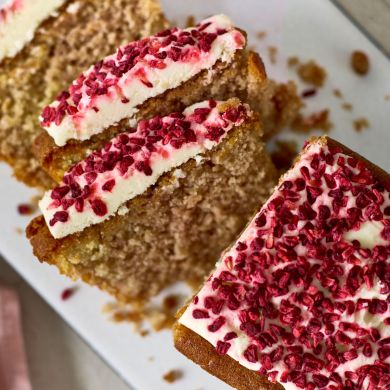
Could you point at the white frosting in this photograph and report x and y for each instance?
(134, 183)
(18, 27)
(369, 234)
(111, 109)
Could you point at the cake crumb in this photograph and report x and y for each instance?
(261, 34)
(172, 376)
(292, 62)
(19, 230)
(252, 47)
(360, 124)
(312, 73)
(360, 62)
(387, 97)
(315, 121)
(190, 21)
(347, 106)
(337, 93)
(284, 154)
(272, 54)
(159, 317)
(308, 93)
(151, 358)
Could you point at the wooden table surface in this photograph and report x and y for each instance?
(58, 359)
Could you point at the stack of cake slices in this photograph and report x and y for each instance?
(44, 45)
(301, 299)
(159, 160)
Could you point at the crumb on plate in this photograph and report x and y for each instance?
(316, 121)
(312, 73)
(360, 62)
(337, 93)
(308, 93)
(361, 124)
(347, 106)
(261, 34)
(172, 376)
(272, 54)
(19, 230)
(292, 61)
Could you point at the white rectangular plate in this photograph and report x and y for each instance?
(306, 28)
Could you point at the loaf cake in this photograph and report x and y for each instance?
(158, 202)
(301, 300)
(44, 45)
(154, 76)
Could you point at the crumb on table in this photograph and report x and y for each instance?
(312, 73)
(387, 97)
(172, 376)
(360, 62)
(361, 124)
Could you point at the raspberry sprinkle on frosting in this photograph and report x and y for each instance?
(303, 295)
(10, 8)
(112, 89)
(95, 188)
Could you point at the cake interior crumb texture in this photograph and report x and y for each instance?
(176, 229)
(62, 47)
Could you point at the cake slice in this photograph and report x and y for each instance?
(301, 299)
(154, 76)
(158, 202)
(44, 45)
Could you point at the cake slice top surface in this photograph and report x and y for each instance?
(112, 89)
(302, 296)
(95, 188)
(18, 21)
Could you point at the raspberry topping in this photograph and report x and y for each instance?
(94, 189)
(306, 288)
(113, 88)
(10, 8)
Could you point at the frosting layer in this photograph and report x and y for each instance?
(294, 298)
(18, 21)
(113, 88)
(94, 189)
